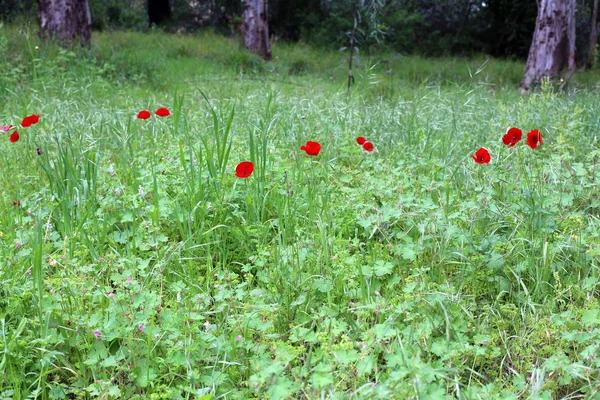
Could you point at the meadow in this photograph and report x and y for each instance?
(135, 264)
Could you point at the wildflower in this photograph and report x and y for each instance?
(96, 333)
(368, 146)
(144, 114)
(482, 156)
(163, 112)
(17, 244)
(361, 140)
(238, 338)
(141, 328)
(311, 148)
(244, 169)
(14, 137)
(30, 120)
(534, 138)
(129, 280)
(6, 128)
(512, 136)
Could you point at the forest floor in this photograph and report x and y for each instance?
(135, 264)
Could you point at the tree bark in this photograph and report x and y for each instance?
(158, 11)
(593, 35)
(553, 46)
(65, 20)
(255, 27)
(351, 49)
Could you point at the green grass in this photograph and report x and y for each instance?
(409, 272)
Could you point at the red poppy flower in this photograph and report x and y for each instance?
(512, 136)
(311, 148)
(534, 138)
(361, 140)
(244, 169)
(14, 137)
(482, 156)
(163, 112)
(30, 120)
(144, 114)
(368, 146)
(6, 128)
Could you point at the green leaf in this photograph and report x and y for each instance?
(382, 268)
(346, 357)
(591, 317)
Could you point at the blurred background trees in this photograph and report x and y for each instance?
(501, 28)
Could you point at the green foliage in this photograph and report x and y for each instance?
(111, 14)
(138, 266)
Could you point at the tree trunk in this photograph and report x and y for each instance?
(593, 35)
(158, 11)
(255, 27)
(553, 45)
(65, 20)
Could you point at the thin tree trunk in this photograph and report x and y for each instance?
(65, 20)
(255, 27)
(553, 45)
(593, 35)
(352, 41)
(158, 11)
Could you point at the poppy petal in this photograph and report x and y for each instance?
(361, 140)
(368, 146)
(512, 136)
(144, 114)
(312, 148)
(244, 169)
(482, 156)
(534, 139)
(14, 137)
(163, 112)
(26, 123)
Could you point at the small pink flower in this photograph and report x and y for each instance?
(141, 327)
(373, 384)
(129, 280)
(17, 244)
(110, 295)
(28, 272)
(549, 319)
(6, 128)
(96, 333)
(238, 338)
